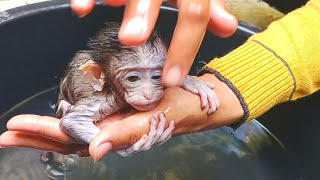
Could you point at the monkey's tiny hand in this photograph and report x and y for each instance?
(204, 90)
(157, 135)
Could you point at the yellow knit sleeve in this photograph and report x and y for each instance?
(280, 64)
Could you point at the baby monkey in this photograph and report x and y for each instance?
(110, 77)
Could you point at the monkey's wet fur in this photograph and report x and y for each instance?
(109, 77)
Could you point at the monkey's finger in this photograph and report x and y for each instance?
(39, 125)
(160, 128)
(152, 134)
(135, 148)
(204, 98)
(190, 87)
(139, 19)
(167, 134)
(210, 85)
(212, 99)
(82, 7)
(190, 29)
(19, 139)
(216, 100)
(212, 102)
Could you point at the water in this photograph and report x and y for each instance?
(251, 153)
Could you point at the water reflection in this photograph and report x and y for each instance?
(251, 153)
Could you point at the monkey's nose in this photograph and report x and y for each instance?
(148, 94)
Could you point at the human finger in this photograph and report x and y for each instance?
(221, 23)
(189, 32)
(20, 139)
(139, 19)
(119, 135)
(45, 126)
(82, 7)
(115, 2)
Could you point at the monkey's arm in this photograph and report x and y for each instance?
(79, 122)
(204, 90)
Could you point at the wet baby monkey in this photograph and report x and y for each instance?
(110, 77)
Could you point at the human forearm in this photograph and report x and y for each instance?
(183, 107)
(277, 65)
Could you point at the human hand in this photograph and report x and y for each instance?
(43, 132)
(38, 132)
(195, 16)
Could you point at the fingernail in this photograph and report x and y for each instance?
(162, 115)
(172, 124)
(145, 136)
(102, 150)
(135, 27)
(173, 76)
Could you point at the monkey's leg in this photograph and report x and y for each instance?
(204, 90)
(79, 122)
(63, 107)
(156, 135)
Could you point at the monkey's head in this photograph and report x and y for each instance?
(134, 72)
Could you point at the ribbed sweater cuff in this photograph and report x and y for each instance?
(257, 75)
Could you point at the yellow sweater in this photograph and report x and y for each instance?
(280, 64)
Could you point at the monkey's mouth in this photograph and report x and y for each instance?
(145, 107)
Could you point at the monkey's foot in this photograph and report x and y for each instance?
(157, 135)
(204, 90)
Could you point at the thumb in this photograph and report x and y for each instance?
(118, 135)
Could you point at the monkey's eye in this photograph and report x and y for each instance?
(133, 78)
(156, 77)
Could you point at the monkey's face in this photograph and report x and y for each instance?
(142, 87)
(136, 71)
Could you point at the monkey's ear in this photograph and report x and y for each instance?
(93, 74)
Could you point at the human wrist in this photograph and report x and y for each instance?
(258, 77)
(194, 119)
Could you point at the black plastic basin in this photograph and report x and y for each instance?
(37, 41)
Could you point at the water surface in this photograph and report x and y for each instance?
(251, 153)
